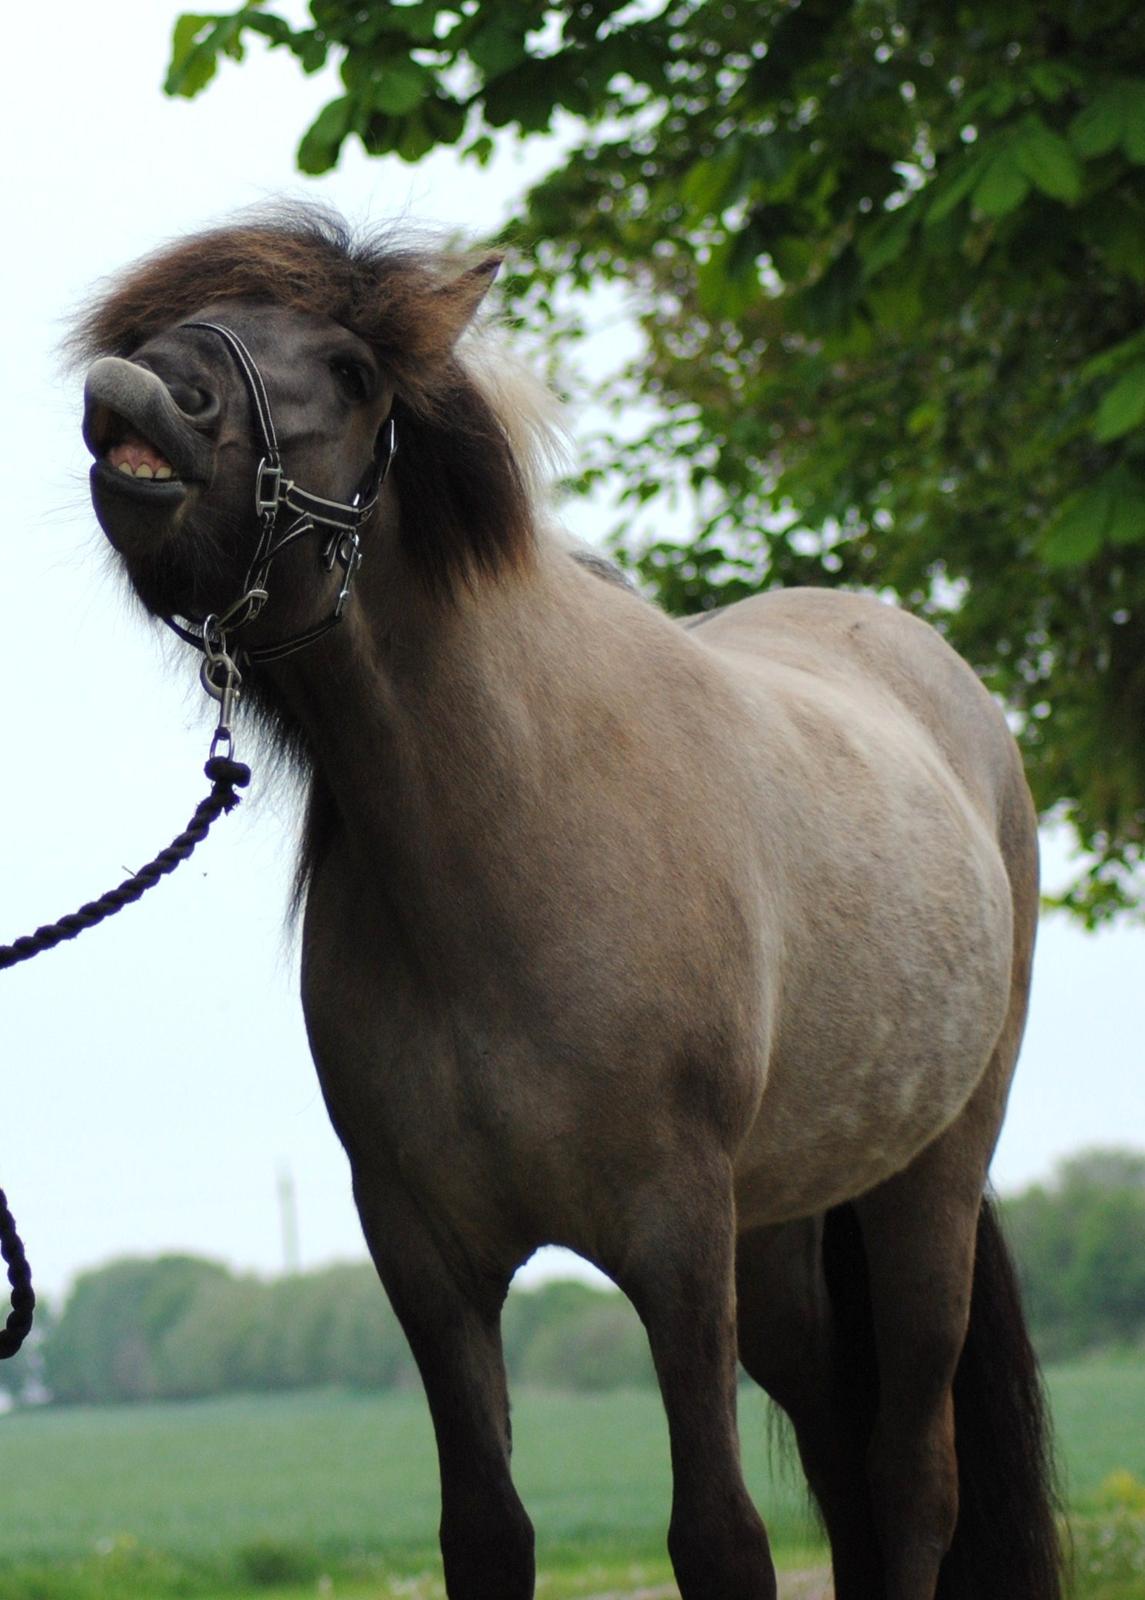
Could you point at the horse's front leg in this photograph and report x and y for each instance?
(678, 1269)
(453, 1324)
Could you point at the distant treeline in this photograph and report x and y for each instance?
(1079, 1242)
(178, 1327)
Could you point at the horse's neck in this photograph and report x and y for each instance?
(434, 726)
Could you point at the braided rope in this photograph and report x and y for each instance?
(19, 1323)
(226, 775)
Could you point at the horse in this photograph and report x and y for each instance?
(700, 950)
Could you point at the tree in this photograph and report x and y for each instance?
(889, 260)
(106, 1344)
(1080, 1247)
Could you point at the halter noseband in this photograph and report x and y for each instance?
(275, 493)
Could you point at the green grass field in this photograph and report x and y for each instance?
(337, 1495)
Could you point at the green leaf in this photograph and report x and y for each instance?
(953, 185)
(1078, 532)
(1053, 79)
(1111, 360)
(727, 283)
(417, 22)
(792, 257)
(1110, 511)
(925, 418)
(1123, 407)
(1098, 127)
(708, 184)
(1133, 141)
(415, 138)
(496, 47)
(480, 150)
(310, 48)
(322, 141)
(1049, 163)
(885, 240)
(194, 55)
(276, 29)
(1003, 186)
(401, 87)
(446, 119)
(1127, 515)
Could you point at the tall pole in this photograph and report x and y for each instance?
(288, 1214)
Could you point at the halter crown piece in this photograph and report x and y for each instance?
(274, 495)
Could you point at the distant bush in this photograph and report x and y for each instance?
(603, 1346)
(179, 1328)
(269, 1564)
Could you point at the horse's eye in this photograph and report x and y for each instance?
(353, 378)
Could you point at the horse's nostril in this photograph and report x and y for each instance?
(194, 402)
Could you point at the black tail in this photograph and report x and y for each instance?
(1006, 1542)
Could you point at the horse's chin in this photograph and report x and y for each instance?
(150, 527)
(137, 515)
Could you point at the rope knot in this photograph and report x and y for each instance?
(227, 775)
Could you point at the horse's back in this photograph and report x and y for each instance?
(876, 653)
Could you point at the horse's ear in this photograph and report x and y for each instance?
(457, 301)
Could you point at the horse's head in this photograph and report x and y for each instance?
(249, 389)
(178, 440)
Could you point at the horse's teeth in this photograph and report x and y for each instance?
(125, 466)
(163, 472)
(143, 471)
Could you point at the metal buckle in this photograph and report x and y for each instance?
(347, 552)
(245, 609)
(266, 502)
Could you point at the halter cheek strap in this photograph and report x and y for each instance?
(276, 495)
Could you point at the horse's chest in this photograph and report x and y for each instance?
(459, 1112)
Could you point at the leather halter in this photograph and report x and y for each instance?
(275, 494)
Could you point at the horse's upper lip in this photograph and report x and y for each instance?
(131, 419)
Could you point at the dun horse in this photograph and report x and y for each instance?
(702, 951)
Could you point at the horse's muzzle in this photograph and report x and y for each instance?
(129, 411)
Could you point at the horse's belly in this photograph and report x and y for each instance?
(879, 1046)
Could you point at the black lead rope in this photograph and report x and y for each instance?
(226, 776)
(19, 1323)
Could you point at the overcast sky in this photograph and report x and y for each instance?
(156, 1079)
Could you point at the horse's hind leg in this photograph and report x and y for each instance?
(453, 1327)
(804, 1337)
(919, 1232)
(677, 1268)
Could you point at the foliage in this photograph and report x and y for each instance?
(889, 263)
(178, 1328)
(107, 1343)
(1080, 1248)
(1109, 1556)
